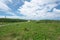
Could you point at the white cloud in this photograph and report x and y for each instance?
(13, 17)
(56, 10)
(10, 0)
(1, 16)
(39, 9)
(5, 8)
(6, 1)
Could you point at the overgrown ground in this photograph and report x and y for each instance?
(30, 30)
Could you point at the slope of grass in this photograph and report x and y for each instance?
(37, 30)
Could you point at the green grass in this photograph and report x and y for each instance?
(30, 30)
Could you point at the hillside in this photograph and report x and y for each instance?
(33, 30)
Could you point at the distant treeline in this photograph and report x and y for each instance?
(48, 21)
(11, 20)
(22, 20)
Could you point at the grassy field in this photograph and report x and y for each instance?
(34, 30)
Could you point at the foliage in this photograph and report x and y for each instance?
(11, 20)
(34, 30)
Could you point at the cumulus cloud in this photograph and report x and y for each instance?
(10, 0)
(40, 9)
(5, 8)
(13, 17)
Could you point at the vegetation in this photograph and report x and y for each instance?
(33, 30)
(11, 20)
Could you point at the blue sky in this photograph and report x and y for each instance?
(30, 9)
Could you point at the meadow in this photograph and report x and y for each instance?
(33, 30)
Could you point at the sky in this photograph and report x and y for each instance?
(30, 9)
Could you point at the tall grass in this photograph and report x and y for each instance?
(33, 30)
